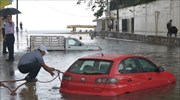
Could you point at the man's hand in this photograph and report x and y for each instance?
(51, 69)
(48, 69)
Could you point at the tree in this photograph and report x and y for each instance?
(100, 6)
(97, 6)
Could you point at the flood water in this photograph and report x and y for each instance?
(166, 56)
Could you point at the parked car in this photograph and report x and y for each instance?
(113, 74)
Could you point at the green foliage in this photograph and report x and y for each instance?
(99, 12)
(100, 6)
(97, 6)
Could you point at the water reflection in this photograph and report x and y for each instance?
(162, 93)
(29, 92)
(7, 73)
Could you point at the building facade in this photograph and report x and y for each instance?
(147, 18)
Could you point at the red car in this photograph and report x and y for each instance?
(113, 74)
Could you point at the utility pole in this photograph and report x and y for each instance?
(117, 9)
(108, 13)
(17, 29)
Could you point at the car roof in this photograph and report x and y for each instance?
(110, 57)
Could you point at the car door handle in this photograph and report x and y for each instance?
(149, 78)
(129, 80)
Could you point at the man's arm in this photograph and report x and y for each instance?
(48, 69)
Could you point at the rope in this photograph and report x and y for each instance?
(58, 75)
(11, 81)
(13, 92)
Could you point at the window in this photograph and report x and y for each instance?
(73, 42)
(88, 66)
(129, 66)
(147, 66)
(104, 67)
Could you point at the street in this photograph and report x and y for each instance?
(167, 56)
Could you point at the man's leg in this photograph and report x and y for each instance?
(11, 47)
(35, 70)
(168, 33)
(4, 47)
(4, 42)
(32, 69)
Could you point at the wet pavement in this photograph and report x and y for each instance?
(167, 56)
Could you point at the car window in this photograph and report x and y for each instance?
(146, 65)
(87, 66)
(73, 42)
(129, 66)
(104, 67)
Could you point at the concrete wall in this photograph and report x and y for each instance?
(152, 39)
(151, 17)
(99, 25)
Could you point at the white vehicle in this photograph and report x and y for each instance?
(60, 43)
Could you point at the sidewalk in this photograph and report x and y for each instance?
(20, 47)
(158, 34)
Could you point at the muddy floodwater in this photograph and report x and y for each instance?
(166, 56)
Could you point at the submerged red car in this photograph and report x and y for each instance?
(113, 74)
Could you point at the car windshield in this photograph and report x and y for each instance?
(89, 66)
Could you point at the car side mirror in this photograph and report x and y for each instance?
(160, 69)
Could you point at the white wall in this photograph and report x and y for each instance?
(99, 25)
(146, 15)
